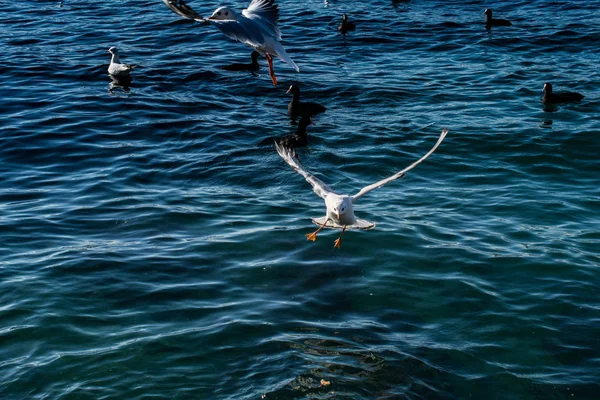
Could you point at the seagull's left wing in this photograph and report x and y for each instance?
(266, 13)
(180, 8)
(289, 156)
(400, 174)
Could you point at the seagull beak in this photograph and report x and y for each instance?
(212, 18)
(337, 214)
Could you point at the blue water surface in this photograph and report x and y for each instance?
(149, 249)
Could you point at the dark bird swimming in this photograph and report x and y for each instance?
(299, 109)
(560, 97)
(346, 26)
(293, 140)
(252, 67)
(489, 21)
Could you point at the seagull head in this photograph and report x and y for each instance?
(223, 14)
(342, 207)
(113, 50)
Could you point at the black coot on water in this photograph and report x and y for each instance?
(346, 26)
(561, 97)
(489, 21)
(298, 109)
(297, 139)
(252, 67)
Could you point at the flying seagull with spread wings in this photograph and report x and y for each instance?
(256, 26)
(340, 208)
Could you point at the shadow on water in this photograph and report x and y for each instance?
(120, 82)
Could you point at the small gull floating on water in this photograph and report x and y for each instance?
(340, 208)
(256, 27)
(116, 67)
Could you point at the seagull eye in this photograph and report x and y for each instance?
(219, 13)
(226, 12)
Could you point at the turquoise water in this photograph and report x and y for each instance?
(149, 249)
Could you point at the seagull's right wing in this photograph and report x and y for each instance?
(289, 156)
(400, 174)
(266, 13)
(180, 8)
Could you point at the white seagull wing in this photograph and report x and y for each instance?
(289, 156)
(180, 8)
(243, 30)
(266, 13)
(400, 174)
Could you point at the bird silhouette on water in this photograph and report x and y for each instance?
(490, 21)
(346, 26)
(296, 108)
(560, 97)
(293, 140)
(252, 67)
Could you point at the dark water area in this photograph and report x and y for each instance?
(149, 249)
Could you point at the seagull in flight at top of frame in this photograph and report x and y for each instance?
(256, 26)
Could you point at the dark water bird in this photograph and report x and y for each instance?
(561, 97)
(256, 26)
(116, 67)
(299, 109)
(489, 21)
(293, 140)
(346, 26)
(252, 67)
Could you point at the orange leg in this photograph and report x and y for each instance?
(338, 242)
(271, 71)
(313, 236)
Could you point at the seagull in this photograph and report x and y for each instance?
(256, 26)
(116, 67)
(340, 208)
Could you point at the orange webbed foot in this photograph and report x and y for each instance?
(311, 236)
